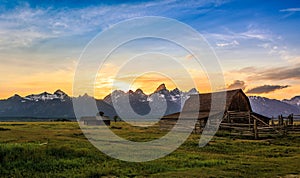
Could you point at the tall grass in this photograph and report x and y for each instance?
(66, 153)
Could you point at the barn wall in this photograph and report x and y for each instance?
(239, 102)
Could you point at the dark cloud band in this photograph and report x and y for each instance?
(266, 89)
(279, 73)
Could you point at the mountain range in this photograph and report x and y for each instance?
(140, 102)
(59, 104)
(45, 106)
(273, 108)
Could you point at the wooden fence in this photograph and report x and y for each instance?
(283, 126)
(255, 127)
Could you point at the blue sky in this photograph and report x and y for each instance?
(41, 40)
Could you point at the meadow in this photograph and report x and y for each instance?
(59, 149)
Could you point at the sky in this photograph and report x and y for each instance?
(257, 44)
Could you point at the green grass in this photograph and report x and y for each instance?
(23, 153)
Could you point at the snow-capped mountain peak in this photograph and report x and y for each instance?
(293, 101)
(272, 107)
(46, 96)
(141, 102)
(60, 94)
(139, 91)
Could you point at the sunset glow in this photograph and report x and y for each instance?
(258, 47)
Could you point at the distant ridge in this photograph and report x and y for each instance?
(272, 107)
(140, 102)
(45, 105)
(59, 104)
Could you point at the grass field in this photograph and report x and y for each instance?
(59, 149)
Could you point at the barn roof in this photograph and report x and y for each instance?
(205, 100)
(191, 107)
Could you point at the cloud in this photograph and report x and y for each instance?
(229, 39)
(20, 38)
(266, 89)
(232, 44)
(278, 73)
(271, 73)
(280, 51)
(237, 84)
(250, 69)
(232, 37)
(24, 24)
(290, 10)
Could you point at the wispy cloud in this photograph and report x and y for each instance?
(266, 89)
(24, 25)
(20, 38)
(228, 44)
(229, 39)
(249, 34)
(290, 10)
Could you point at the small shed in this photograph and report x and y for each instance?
(237, 109)
(95, 120)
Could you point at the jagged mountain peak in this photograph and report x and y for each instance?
(44, 93)
(272, 107)
(118, 91)
(130, 92)
(296, 97)
(40, 94)
(175, 91)
(193, 90)
(15, 97)
(59, 92)
(293, 101)
(160, 87)
(139, 91)
(85, 95)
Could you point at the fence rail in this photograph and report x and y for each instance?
(255, 127)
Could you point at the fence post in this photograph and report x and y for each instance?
(255, 129)
(249, 117)
(280, 120)
(291, 119)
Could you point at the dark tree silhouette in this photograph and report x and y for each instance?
(100, 113)
(116, 118)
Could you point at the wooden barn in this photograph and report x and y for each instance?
(237, 110)
(95, 120)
